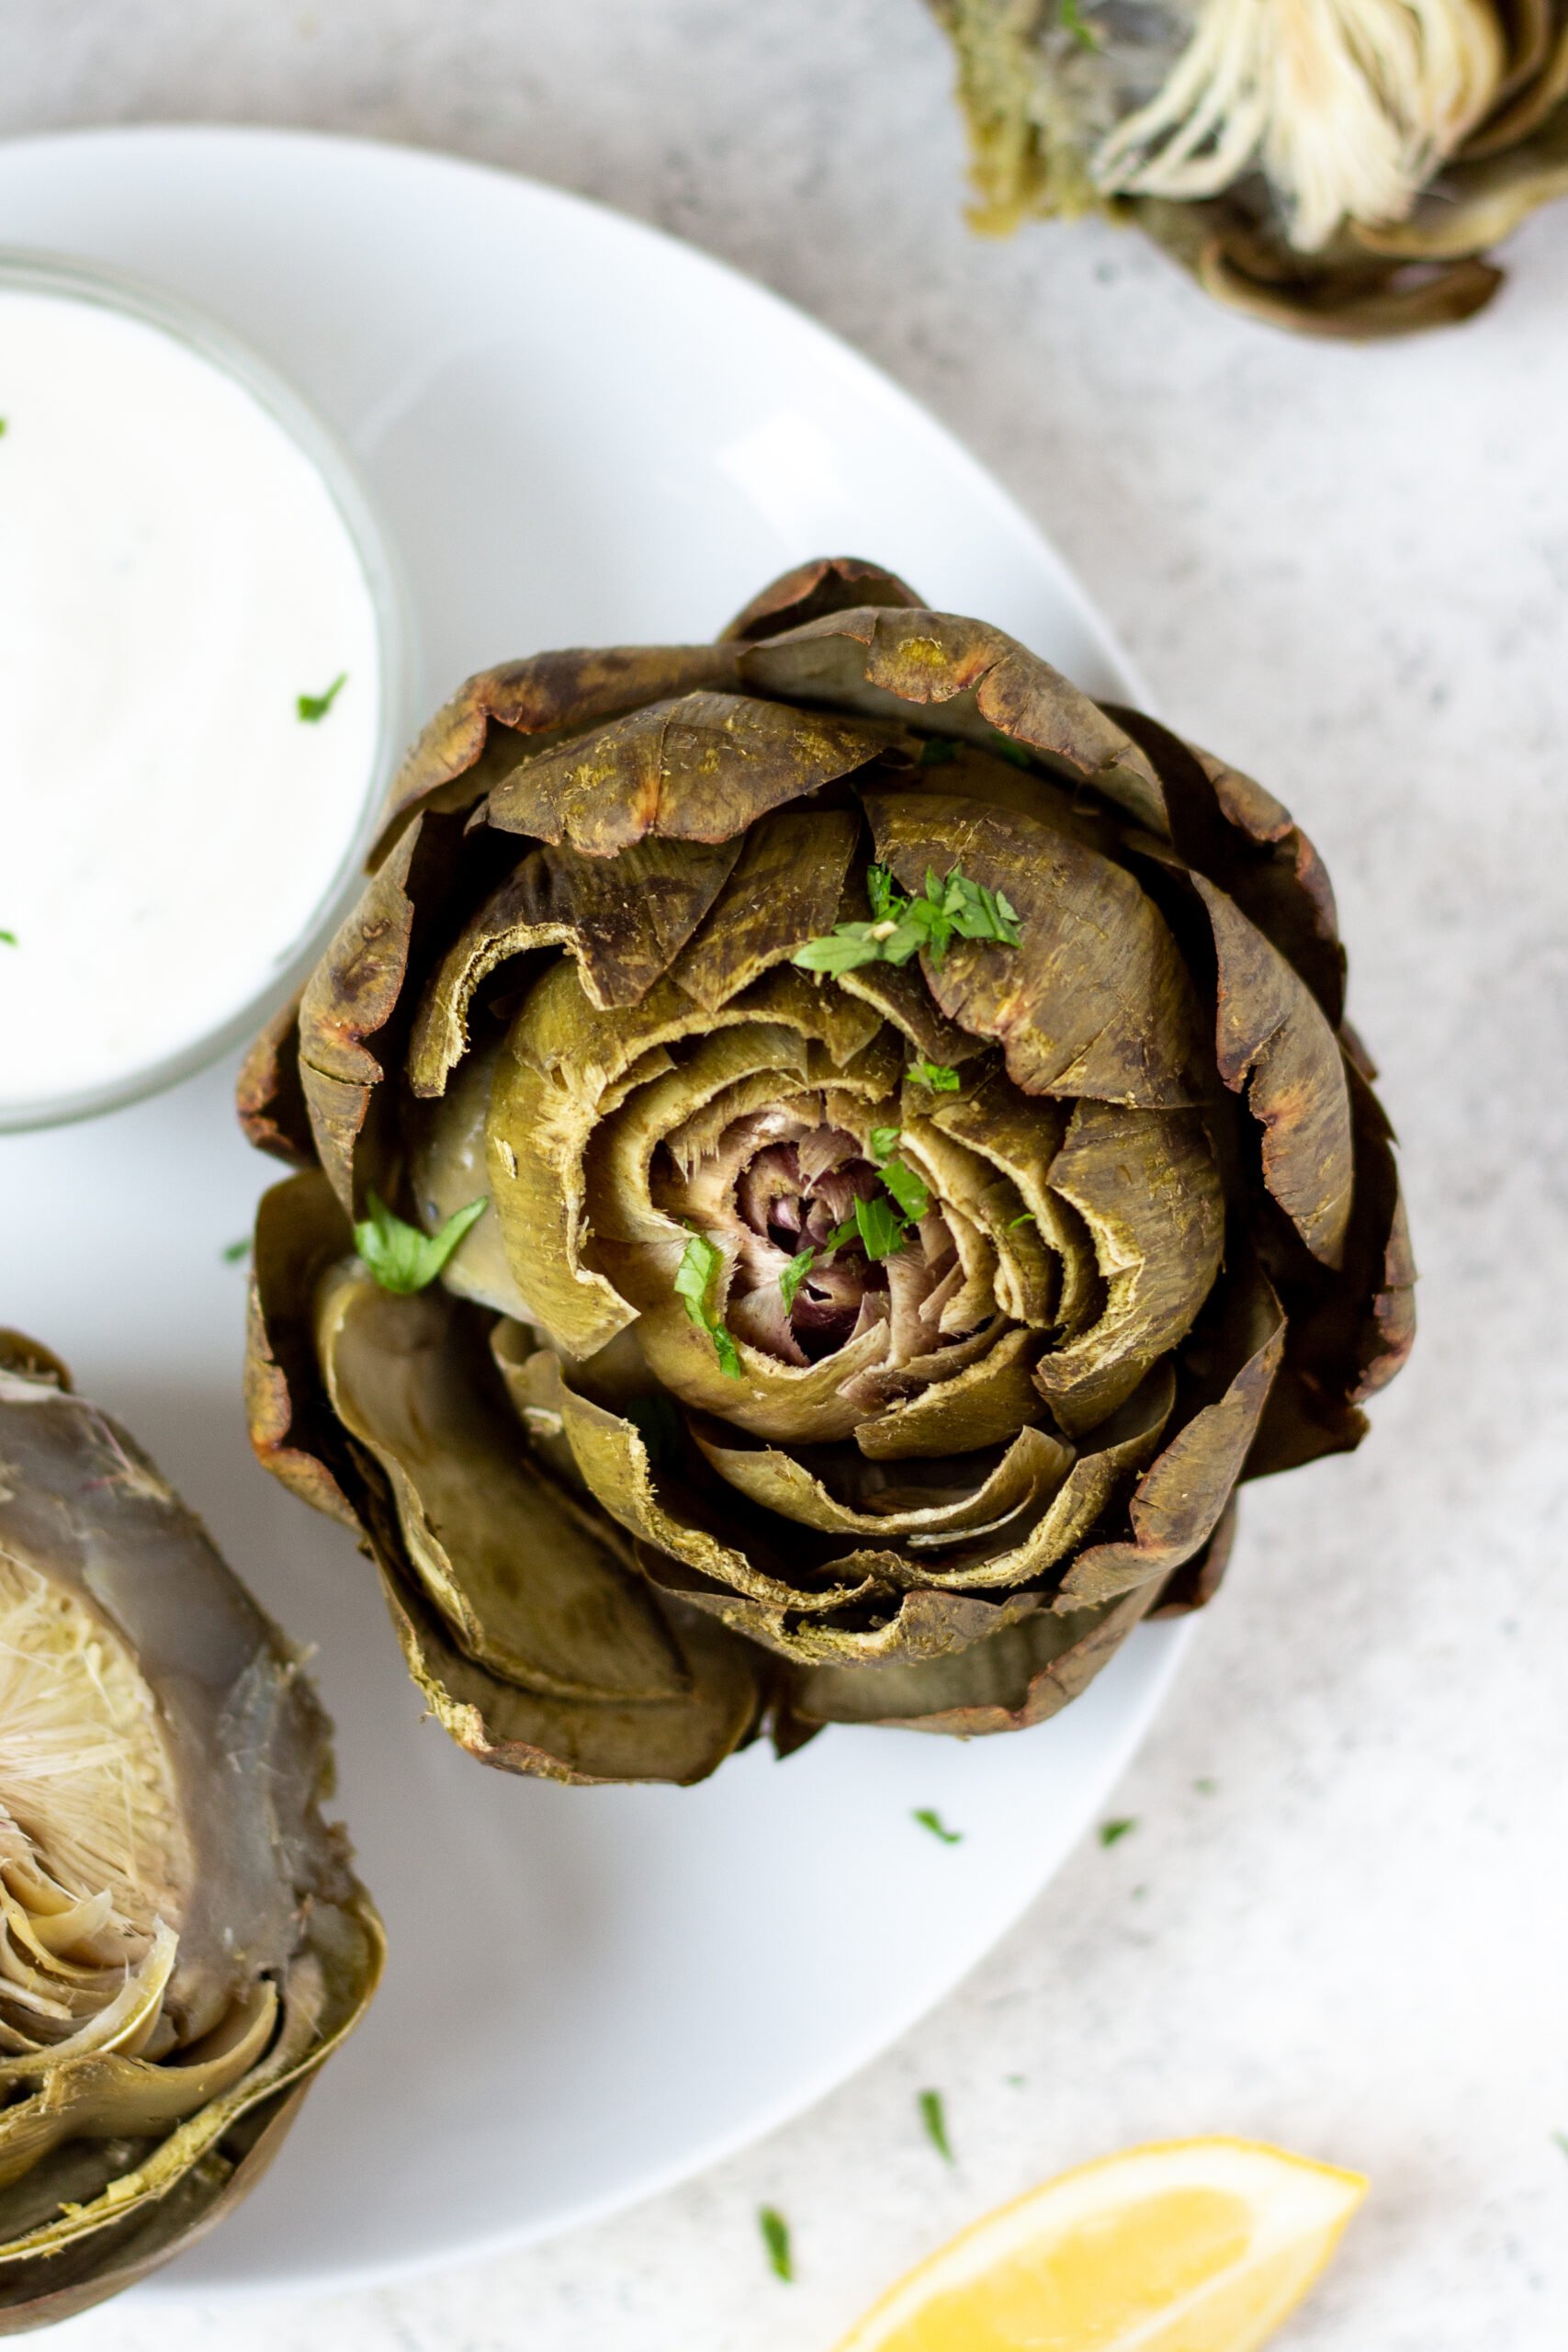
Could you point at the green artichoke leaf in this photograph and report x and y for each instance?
(1097, 1001)
(611, 1456)
(624, 919)
(952, 676)
(1179, 1500)
(1021, 1135)
(1147, 1186)
(901, 997)
(1273, 1044)
(700, 768)
(1031, 1471)
(1026, 1275)
(900, 1622)
(520, 1730)
(528, 1589)
(983, 1404)
(448, 1167)
(500, 715)
(1019, 1675)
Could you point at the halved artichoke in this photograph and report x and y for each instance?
(182, 1941)
(824, 1330)
(1339, 166)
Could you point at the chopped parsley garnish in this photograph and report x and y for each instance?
(877, 1226)
(884, 1142)
(1017, 2081)
(1559, 2139)
(1205, 1787)
(936, 752)
(314, 706)
(235, 1251)
(929, 1818)
(794, 1274)
(693, 1280)
(1071, 18)
(3, 424)
(1028, 1217)
(936, 1075)
(1111, 1832)
(907, 1189)
(902, 927)
(934, 2117)
(401, 1257)
(776, 2238)
(9, 939)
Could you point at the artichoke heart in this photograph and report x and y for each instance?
(1338, 166)
(182, 1940)
(813, 1186)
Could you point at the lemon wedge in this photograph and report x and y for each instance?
(1192, 2245)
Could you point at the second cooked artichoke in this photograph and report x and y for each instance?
(1339, 166)
(828, 1155)
(182, 1940)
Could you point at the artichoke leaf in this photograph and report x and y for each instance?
(1030, 1470)
(1025, 1274)
(529, 1592)
(783, 890)
(624, 919)
(1145, 1184)
(498, 715)
(1021, 1134)
(957, 677)
(1022, 1673)
(808, 590)
(700, 768)
(682, 1739)
(449, 1169)
(987, 1403)
(300, 1231)
(900, 995)
(611, 1459)
(1273, 1043)
(1179, 1501)
(1096, 1001)
(268, 1096)
(920, 1622)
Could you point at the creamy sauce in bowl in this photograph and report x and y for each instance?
(193, 713)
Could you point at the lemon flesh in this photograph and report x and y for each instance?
(1200, 2245)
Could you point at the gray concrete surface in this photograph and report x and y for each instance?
(1348, 570)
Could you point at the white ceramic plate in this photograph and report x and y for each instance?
(578, 432)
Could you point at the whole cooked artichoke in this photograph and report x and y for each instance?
(830, 1154)
(182, 1941)
(1336, 165)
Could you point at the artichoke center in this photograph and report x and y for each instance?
(93, 1858)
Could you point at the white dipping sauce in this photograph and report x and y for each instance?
(175, 574)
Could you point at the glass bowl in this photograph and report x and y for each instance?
(286, 962)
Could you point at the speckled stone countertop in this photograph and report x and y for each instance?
(1348, 570)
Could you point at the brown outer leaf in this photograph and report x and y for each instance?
(810, 592)
(300, 1231)
(700, 769)
(352, 995)
(1273, 1042)
(1017, 1677)
(268, 1097)
(783, 892)
(1095, 999)
(1178, 1502)
(457, 757)
(964, 678)
(1194, 1584)
(1351, 1330)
